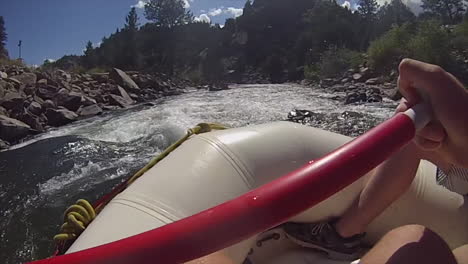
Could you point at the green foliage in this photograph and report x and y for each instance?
(333, 63)
(10, 62)
(167, 13)
(450, 11)
(3, 39)
(385, 52)
(431, 44)
(460, 39)
(395, 13)
(132, 20)
(368, 9)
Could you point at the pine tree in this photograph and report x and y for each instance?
(167, 13)
(368, 9)
(3, 38)
(89, 48)
(450, 11)
(132, 20)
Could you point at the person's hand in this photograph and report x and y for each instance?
(447, 133)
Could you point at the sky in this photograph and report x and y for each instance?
(50, 29)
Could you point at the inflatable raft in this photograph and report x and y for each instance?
(212, 168)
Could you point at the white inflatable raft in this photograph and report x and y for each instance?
(222, 165)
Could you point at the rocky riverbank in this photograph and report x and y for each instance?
(33, 101)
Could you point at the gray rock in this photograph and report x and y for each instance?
(90, 110)
(42, 83)
(12, 130)
(122, 93)
(358, 77)
(63, 75)
(356, 98)
(122, 79)
(32, 120)
(48, 92)
(35, 108)
(87, 101)
(60, 117)
(70, 100)
(3, 111)
(49, 104)
(3, 145)
(395, 95)
(3, 75)
(373, 81)
(345, 80)
(28, 79)
(12, 100)
(118, 101)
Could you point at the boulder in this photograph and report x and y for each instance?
(327, 82)
(12, 130)
(63, 75)
(3, 145)
(374, 98)
(32, 120)
(118, 101)
(60, 117)
(122, 93)
(35, 108)
(3, 111)
(122, 79)
(357, 97)
(3, 75)
(42, 83)
(345, 80)
(49, 104)
(12, 99)
(373, 81)
(48, 92)
(358, 77)
(87, 101)
(70, 100)
(27, 79)
(395, 95)
(90, 110)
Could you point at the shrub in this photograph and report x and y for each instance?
(460, 38)
(333, 63)
(11, 62)
(431, 44)
(386, 51)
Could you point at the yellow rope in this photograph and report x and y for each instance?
(78, 216)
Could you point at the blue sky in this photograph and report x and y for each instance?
(50, 29)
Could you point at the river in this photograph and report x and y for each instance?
(41, 177)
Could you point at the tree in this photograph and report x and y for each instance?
(167, 13)
(88, 59)
(450, 11)
(368, 9)
(132, 20)
(396, 13)
(89, 48)
(3, 38)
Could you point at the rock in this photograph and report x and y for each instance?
(3, 145)
(374, 98)
(358, 77)
(327, 82)
(122, 79)
(299, 115)
(15, 82)
(122, 93)
(49, 104)
(42, 83)
(373, 81)
(31, 120)
(345, 80)
(70, 100)
(48, 92)
(87, 101)
(3, 75)
(356, 98)
(12, 99)
(218, 87)
(35, 108)
(63, 75)
(3, 111)
(118, 101)
(27, 79)
(60, 117)
(110, 107)
(101, 77)
(12, 130)
(90, 110)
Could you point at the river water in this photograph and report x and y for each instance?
(41, 177)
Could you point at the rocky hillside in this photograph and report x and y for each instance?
(32, 101)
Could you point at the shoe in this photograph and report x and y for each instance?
(323, 236)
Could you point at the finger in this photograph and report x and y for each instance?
(403, 106)
(426, 144)
(433, 132)
(408, 92)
